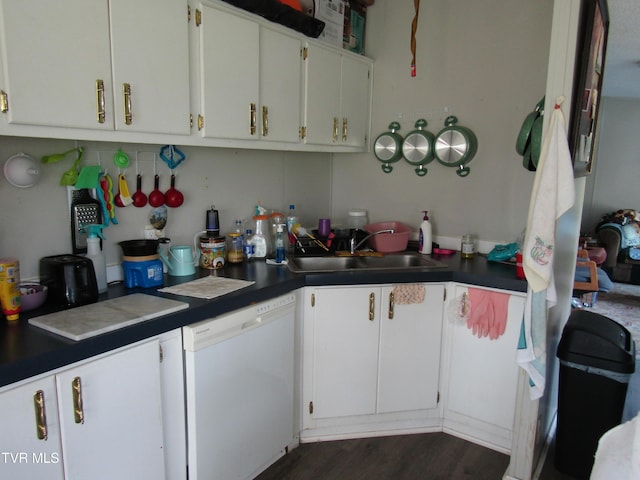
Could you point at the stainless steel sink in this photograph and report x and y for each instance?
(390, 261)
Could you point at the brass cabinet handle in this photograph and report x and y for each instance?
(392, 304)
(372, 306)
(335, 129)
(100, 100)
(200, 122)
(4, 102)
(252, 128)
(41, 415)
(344, 129)
(126, 97)
(265, 120)
(76, 389)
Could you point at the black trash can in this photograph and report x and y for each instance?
(597, 358)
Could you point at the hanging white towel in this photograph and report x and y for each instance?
(552, 195)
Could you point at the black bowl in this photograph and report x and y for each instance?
(139, 248)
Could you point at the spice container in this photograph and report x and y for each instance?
(467, 246)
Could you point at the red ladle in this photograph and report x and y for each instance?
(139, 198)
(156, 197)
(174, 197)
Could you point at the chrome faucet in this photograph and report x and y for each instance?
(353, 246)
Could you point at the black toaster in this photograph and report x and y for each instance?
(71, 280)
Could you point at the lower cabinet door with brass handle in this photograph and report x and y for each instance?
(110, 408)
(101, 418)
(30, 446)
(368, 354)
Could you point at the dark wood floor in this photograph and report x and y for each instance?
(436, 456)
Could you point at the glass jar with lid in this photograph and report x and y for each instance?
(358, 218)
(467, 246)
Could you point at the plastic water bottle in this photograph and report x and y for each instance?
(249, 250)
(280, 256)
(260, 240)
(292, 219)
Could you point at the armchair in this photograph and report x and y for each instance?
(620, 236)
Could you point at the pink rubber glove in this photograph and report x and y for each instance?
(477, 321)
(500, 307)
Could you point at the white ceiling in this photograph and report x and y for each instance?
(622, 64)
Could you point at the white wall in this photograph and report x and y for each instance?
(484, 62)
(35, 221)
(614, 184)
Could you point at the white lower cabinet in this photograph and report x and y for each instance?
(365, 373)
(480, 375)
(30, 445)
(174, 425)
(368, 359)
(101, 419)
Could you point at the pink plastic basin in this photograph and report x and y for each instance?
(388, 242)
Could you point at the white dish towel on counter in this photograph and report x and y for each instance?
(207, 287)
(552, 195)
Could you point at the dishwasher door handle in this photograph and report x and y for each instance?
(251, 323)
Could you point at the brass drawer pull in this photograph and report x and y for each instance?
(372, 306)
(100, 109)
(265, 120)
(41, 415)
(78, 411)
(252, 118)
(126, 97)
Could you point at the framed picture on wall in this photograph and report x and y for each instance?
(585, 105)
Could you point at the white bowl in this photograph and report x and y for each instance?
(21, 170)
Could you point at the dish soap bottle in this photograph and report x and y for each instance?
(94, 234)
(425, 241)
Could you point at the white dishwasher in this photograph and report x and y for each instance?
(239, 372)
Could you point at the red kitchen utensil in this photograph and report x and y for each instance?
(173, 197)
(156, 197)
(139, 197)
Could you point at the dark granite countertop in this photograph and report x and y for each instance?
(27, 350)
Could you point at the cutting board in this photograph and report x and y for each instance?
(89, 320)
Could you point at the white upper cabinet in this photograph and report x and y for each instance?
(280, 86)
(337, 98)
(202, 72)
(150, 54)
(94, 64)
(55, 54)
(250, 88)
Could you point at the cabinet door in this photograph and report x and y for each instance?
(410, 337)
(355, 94)
(120, 433)
(27, 452)
(322, 96)
(54, 54)
(149, 47)
(482, 375)
(173, 406)
(280, 87)
(229, 66)
(345, 351)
